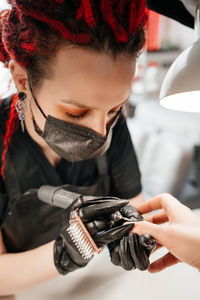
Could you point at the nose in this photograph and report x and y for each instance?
(99, 126)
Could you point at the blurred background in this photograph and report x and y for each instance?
(167, 145)
(166, 141)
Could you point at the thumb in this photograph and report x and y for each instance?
(154, 230)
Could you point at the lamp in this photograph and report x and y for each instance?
(181, 87)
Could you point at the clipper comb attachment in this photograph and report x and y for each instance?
(81, 237)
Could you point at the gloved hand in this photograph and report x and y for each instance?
(132, 251)
(95, 213)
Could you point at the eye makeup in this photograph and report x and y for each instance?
(80, 113)
(75, 117)
(80, 116)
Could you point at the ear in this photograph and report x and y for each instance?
(19, 76)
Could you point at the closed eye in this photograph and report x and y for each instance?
(75, 117)
(78, 117)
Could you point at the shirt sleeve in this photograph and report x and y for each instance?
(123, 165)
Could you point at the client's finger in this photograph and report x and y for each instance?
(163, 263)
(156, 231)
(165, 201)
(157, 218)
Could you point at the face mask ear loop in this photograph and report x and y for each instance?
(36, 101)
(37, 129)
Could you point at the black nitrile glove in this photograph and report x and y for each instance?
(132, 251)
(95, 213)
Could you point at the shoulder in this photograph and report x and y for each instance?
(4, 114)
(4, 111)
(4, 103)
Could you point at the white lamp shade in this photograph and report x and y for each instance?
(181, 87)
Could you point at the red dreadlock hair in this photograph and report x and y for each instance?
(32, 32)
(11, 126)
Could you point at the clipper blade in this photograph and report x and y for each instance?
(81, 237)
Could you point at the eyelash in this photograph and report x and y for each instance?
(74, 117)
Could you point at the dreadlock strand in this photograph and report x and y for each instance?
(108, 15)
(88, 14)
(81, 38)
(11, 126)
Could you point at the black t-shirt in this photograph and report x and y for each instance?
(34, 169)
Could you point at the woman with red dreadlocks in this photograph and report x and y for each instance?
(73, 62)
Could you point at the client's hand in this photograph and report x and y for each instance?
(181, 236)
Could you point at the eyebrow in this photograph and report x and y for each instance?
(74, 102)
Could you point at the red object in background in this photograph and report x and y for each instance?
(153, 43)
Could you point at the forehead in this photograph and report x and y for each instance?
(87, 75)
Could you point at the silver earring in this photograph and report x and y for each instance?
(19, 107)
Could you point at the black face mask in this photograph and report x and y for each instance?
(70, 141)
